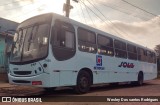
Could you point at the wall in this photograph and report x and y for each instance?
(2, 48)
(6, 26)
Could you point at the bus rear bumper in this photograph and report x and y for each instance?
(42, 80)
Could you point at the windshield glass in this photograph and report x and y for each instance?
(31, 43)
(17, 46)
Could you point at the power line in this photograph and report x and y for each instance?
(112, 23)
(132, 11)
(128, 11)
(91, 10)
(121, 30)
(105, 21)
(79, 13)
(122, 11)
(106, 18)
(99, 17)
(89, 15)
(83, 13)
(139, 8)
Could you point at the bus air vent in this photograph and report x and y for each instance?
(21, 81)
(22, 72)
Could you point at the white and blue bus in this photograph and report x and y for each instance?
(51, 51)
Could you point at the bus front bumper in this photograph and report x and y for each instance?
(41, 80)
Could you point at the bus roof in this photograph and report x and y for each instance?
(78, 24)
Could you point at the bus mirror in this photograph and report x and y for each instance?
(8, 35)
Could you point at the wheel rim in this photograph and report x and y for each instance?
(83, 83)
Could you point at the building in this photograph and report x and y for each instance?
(4, 47)
(7, 29)
(7, 25)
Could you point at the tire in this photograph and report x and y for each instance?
(83, 82)
(140, 79)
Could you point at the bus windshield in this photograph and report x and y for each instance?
(31, 43)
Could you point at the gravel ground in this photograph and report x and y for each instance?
(150, 88)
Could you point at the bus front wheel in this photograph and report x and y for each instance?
(83, 82)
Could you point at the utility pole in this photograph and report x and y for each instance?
(67, 7)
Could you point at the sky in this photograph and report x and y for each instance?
(116, 17)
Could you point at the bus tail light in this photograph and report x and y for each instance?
(36, 82)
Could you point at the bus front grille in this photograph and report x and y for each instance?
(22, 72)
(21, 81)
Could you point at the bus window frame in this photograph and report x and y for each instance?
(99, 46)
(120, 50)
(87, 46)
(129, 52)
(57, 50)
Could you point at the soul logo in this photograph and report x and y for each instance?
(126, 65)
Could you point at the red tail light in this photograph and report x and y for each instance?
(36, 82)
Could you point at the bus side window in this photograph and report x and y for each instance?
(120, 49)
(69, 39)
(63, 40)
(154, 57)
(132, 52)
(64, 36)
(66, 39)
(105, 45)
(149, 56)
(86, 41)
(142, 55)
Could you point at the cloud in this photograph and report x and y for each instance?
(19, 10)
(145, 33)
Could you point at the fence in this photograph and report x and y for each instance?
(3, 62)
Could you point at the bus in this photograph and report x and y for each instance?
(50, 50)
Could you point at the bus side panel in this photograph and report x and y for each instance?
(63, 73)
(119, 73)
(88, 60)
(150, 71)
(67, 78)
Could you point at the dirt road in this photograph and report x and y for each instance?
(150, 88)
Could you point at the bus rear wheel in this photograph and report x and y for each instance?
(83, 82)
(140, 79)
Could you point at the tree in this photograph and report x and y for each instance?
(157, 49)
